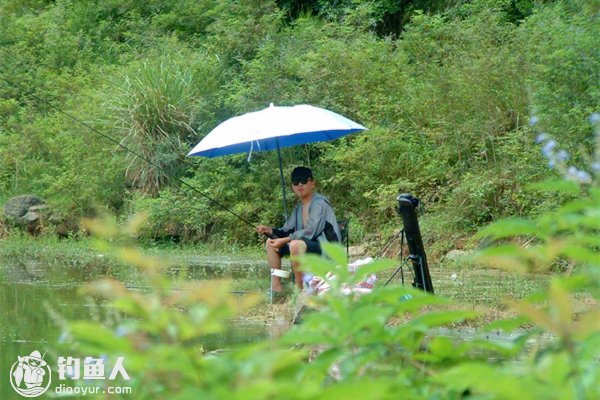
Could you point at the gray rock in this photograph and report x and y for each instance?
(35, 213)
(18, 206)
(25, 209)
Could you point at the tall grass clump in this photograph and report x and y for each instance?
(158, 107)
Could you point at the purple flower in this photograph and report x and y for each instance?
(562, 155)
(596, 166)
(64, 336)
(540, 138)
(121, 331)
(533, 120)
(577, 175)
(595, 118)
(583, 177)
(549, 148)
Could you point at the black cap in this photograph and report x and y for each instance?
(301, 173)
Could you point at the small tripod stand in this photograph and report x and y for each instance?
(403, 261)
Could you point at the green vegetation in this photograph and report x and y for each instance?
(383, 344)
(446, 89)
(453, 93)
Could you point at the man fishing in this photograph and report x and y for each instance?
(311, 222)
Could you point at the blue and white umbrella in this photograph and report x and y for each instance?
(273, 128)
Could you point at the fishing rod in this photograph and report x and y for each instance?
(107, 137)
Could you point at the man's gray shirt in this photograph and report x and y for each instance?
(319, 214)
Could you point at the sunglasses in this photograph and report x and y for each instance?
(303, 181)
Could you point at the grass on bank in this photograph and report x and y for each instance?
(486, 291)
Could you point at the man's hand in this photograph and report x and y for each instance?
(264, 230)
(278, 243)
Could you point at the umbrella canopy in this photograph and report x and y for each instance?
(274, 127)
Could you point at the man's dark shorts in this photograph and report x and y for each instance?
(312, 246)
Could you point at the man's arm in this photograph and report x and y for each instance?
(281, 233)
(288, 228)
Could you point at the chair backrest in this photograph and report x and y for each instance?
(344, 225)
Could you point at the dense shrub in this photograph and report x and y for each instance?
(445, 88)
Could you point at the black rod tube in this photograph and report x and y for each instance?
(407, 205)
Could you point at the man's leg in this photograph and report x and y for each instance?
(274, 260)
(297, 248)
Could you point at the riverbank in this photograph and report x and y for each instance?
(468, 285)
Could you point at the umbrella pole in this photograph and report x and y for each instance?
(285, 209)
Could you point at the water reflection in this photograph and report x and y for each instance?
(35, 297)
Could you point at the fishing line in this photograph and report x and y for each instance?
(107, 137)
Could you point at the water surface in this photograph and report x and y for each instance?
(38, 295)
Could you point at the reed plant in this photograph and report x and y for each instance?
(154, 111)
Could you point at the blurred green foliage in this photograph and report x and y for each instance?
(446, 89)
(382, 344)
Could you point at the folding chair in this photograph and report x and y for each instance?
(344, 225)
